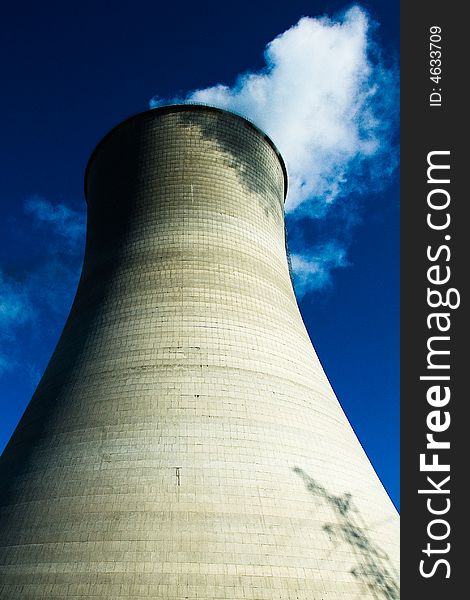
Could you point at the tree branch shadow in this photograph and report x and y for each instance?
(372, 567)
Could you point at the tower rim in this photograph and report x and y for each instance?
(188, 107)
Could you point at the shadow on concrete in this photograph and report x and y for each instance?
(372, 565)
(239, 155)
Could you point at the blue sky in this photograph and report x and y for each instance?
(73, 70)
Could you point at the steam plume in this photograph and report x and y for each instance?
(328, 103)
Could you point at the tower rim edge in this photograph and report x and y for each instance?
(168, 108)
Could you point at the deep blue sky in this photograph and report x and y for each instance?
(71, 71)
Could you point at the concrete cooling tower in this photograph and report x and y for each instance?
(184, 441)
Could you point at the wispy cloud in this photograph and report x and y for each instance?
(329, 103)
(34, 304)
(61, 220)
(15, 306)
(15, 311)
(312, 271)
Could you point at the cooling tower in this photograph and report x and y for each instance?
(184, 441)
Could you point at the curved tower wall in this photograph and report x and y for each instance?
(184, 441)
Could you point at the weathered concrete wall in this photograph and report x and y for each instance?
(184, 441)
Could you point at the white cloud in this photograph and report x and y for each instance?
(319, 99)
(329, 105)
